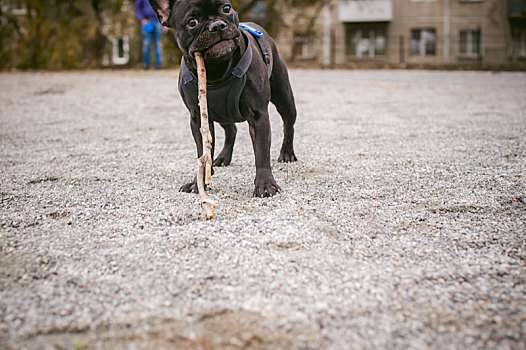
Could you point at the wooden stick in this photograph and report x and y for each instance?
(205, 161)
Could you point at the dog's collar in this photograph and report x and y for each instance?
(239, 70)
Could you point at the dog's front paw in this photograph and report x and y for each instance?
(190, 187)
(287, 156)
(266, 186)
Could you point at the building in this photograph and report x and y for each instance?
(407, 32)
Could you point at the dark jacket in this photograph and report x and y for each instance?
(144, 10)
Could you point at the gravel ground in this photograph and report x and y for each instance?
(402, 225)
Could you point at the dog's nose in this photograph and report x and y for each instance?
(217, 25)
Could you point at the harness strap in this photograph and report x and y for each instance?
(264, 51)
(258, 35)
(244, 63)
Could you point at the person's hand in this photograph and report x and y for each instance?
(165, 29)
(144, 21)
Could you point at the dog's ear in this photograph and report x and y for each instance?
(162, 8)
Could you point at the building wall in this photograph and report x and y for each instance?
(491, 17)
(408, 15)
(487, 17)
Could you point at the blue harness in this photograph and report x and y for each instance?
(222, 97)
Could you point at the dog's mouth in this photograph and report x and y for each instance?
(221, 49)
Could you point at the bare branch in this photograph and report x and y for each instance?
(204, 172)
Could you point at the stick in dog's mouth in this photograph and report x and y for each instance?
(204, 173)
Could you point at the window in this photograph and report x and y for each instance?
(469, 43)
(365, 42)
(303, 46)
(423, 42)
(518, 36)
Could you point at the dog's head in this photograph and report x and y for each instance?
(208, 26)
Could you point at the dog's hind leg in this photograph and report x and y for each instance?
(282, 97)
(225, 156)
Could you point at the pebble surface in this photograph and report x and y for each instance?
(402, 225)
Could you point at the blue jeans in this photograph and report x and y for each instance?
(148, 37)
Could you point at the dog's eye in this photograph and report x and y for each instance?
(227, 8)
(192, 22)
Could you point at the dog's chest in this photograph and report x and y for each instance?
(223, 98)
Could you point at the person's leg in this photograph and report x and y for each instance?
(146, 47)
(157, 44)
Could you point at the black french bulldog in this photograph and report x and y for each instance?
(244, 72)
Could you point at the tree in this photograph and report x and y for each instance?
(65, 35)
